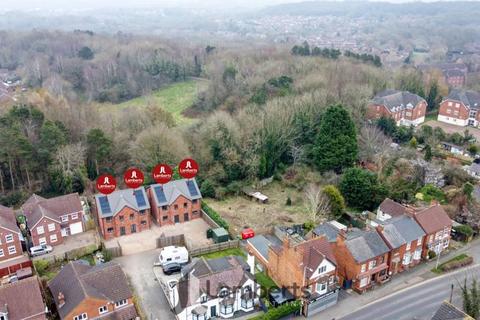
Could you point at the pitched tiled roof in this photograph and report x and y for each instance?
(209, 277)
(315, 250)
(365, 245)
(36, 207)
(401, 230)
(7, 219)
(120, 199)
(167, 193)
(469, 98)
(448, 311)
(433, 219)
(392, 208)
(23, 299)
(328, 230)
(395, 100)
(76, 281)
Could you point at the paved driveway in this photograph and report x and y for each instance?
(195, 234)
(139, 269)
(70, 243)
(450, 128)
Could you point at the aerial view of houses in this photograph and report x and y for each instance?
(272, 160)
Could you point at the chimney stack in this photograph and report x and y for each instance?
(61, 299)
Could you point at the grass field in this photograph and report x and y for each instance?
(174, 98)
(225, 253)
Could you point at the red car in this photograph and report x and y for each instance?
(248, 233)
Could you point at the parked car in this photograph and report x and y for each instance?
(171, 268)
(39, 250)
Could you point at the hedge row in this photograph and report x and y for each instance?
(455, 264)
(215, 216)
(279, 312)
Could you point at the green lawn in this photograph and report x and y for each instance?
(461, 257)
(264, 281)
(174, 98)
(224, 253)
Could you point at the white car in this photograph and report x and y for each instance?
(39, 250)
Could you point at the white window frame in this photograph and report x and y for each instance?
(2, 254)
(9, 238)
(74, 216)
(103, 309)
(372, 264)
(363, 268)
(53, 238)
(51, 227)
(450, 103)
(121, 303)
(83, 316)
(409, 246)
(417, 254)
(322, 269)
(64, 218)
(12, 250)
(361, 284)
(40, 230)
(42, 241)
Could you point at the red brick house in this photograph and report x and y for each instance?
(84, 292)
(297, 264)
(123, 212)
(404, 107)
(175, 202)
(22, 300)
(10, 236)
(404, 237)
(50, 220)
(461, 108)
(362, 259)
(437, 226)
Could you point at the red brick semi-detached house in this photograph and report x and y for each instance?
(176, 201)
(123, 212)
(402, 106)
(461, 108)
(50, 220)
(84, 292)
(362, 259)
(437, 225)
(404, 237)
(22, 300)
(295, 263)
(10, 237)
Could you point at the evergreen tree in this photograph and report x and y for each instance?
(99, 147)
(336, 200)
(428, 153)
(335, 147)
(361, 189)
(432, 96)
(471, 299)
(86, 53)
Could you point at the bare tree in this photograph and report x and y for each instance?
(317, 202)
(297, 153)
(373, 143)
(70, 157)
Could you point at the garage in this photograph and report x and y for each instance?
(76, 228)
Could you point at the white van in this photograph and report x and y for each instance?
(173, 254)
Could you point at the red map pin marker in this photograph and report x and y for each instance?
(188, 168)
(106, 183)
(133, 178)
(162, 173)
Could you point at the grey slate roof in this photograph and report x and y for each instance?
(395, 100)
(261, 244)
(120, 199)
(401, 230)
(173, 189)
(365, 245)
(474, 167)
(448, 311)
(469, 98)
(327, 230)
(78, 281)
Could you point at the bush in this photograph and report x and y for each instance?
(309, 225)
(41, 266)
(214, 216)
(207, 189)
(289, 201)
(430, 192)
(431, 254)
(459, 261)
(464, 230)
(280, 312)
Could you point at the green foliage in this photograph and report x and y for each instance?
(456, 262)
(403, 134)
(468, 189)
(471, 298)
(464, 230)
(335, 147)
(412, 81)
(428, 153)
(336, 200)
(413, 143)
(214, 216)
(309, 225)
(473, 150)
(364, 57)
(301, 50)
(52, 136)
(41, 266)
(361, 189)
(99, 148)
(280, 312)
(430, 192)
(329, 53)
(265, 282)
(86, 53)
(207, 189)
(433, 97)
(275, 87)
(431, 254)
(387, 125)
(289, 201)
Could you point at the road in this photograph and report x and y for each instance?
(418, 302)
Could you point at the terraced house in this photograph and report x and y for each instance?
(437, 226)
(402, 106)
(123, 212)
(50, 220)
(461, 108)
(175, 202)
(84, 292)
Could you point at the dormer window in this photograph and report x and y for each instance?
(224, 292)
(322, 269)
(3, 316)
(203, 298)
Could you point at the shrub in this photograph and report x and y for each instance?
(214, 216)
(207, 189)
(431, 254)
(280, 312)
(41, 266)
(289, 201)
(309, 225)
(464, 229)
(456, 262)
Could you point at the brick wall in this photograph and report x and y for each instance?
(4, 245)
(448, 108)
(181, 210)
(125, 219)
(47, 234)
(91, 306)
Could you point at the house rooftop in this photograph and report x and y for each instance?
(329, 229)
(395, 100)
(469, 98)
(392, 208)
(111, 204)
(22, 299)
(7, 219)
(365, 244)
(433, 219)
(166, 194)
(37, 207)
(401, 230)
(448, 311)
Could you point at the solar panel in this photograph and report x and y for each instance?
(104, 205)
(160, 194)
(191, 188)
(139, 197)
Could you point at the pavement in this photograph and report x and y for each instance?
(414, 280)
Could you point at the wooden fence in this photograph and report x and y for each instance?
(178, 240)
(209, 220)
(215, 247)
(113, 248)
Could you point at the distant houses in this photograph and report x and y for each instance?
(461, 108)
(402, 106)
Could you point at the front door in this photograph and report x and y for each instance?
(122, 231)
(185, 217)
(133, 228)
(213, 311)
(176, 219)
